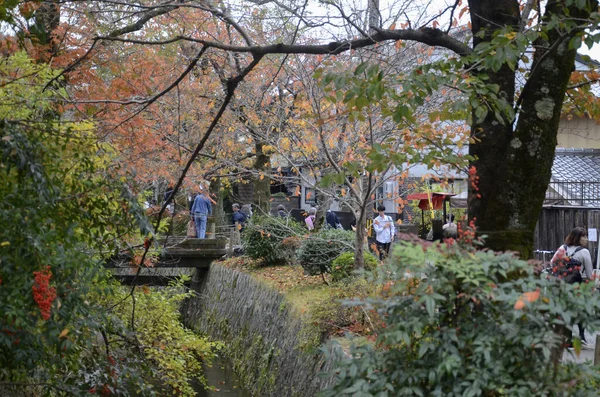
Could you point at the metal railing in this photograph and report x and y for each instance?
(576, 193)
(543, 256)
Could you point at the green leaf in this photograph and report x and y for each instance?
(361, 68)
(575, 42)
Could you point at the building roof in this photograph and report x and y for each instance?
(575, 178)
(576, 165)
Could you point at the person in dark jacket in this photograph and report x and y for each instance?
(281, 212)
(332, 220)
(238, 217)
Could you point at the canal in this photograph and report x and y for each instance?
(223, 379)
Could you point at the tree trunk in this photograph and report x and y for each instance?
(359, 250)
(217, 195)
(262, 182)
(373, 17)
(514, 165)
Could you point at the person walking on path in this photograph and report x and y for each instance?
(575, 249)
(201, 209)
(385, 231)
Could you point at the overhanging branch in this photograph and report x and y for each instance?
(429, 36)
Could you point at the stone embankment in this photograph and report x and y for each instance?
(261, 332)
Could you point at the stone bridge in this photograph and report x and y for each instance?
(177, 256)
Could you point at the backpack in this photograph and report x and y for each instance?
(569, 270)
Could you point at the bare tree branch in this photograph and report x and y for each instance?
(425, 35)
(453, 9)
(139, 24)
(343, 14)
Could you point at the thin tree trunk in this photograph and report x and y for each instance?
(262, 182)
(359, 250)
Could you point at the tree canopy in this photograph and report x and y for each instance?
(510, 63)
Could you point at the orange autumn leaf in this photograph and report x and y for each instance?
(519, 304)
(532, 296)
(64, 333)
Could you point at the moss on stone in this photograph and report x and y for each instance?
(267, 339)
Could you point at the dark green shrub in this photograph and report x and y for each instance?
(269, 238)
(343, 265)
(318, 250)
(469, 323)
(290, 247)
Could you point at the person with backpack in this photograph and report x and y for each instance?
(572, 263)
(385, 231)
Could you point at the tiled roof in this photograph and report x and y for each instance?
(576, 165)
(575, 178)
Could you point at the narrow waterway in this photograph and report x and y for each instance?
(223, 379)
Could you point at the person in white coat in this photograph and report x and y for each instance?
(385, 232)
(575, 248)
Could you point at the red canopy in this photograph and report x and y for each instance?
(437, 199)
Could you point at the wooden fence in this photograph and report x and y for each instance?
(556, 222)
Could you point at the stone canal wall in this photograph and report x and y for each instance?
(262, 334)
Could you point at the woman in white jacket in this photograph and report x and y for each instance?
(575, 248)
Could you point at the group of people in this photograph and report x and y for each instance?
(201, 209)
(383, 225)
(331, 220)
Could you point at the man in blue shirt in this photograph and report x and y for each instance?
(200, 211)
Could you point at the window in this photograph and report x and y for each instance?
(309, 196)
